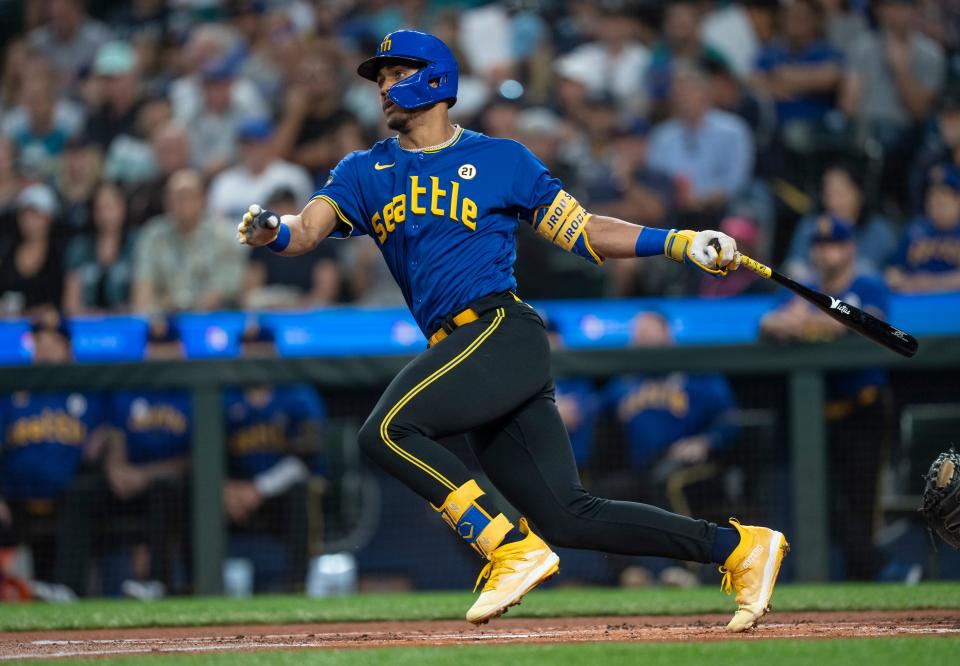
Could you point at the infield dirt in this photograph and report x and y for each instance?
(811, 626)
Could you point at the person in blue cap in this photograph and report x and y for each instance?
(443, 204)
(858, 403)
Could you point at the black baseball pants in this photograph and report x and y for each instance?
(490, 379)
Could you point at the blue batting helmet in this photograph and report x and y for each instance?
(426, 51)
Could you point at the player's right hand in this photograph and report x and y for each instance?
(258, 227)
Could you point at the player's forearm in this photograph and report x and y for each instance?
(611, 237)
(309, 228)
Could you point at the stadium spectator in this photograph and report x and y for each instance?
(578, 404)
(184, 259)
(210, 46)
(617, 51)
(270, 433)
(729, 28)
(893, 79)
(276, 282)
(895, 74)
(707, 151)
(680, 44)
(170, 147)
(99, 264)
(215, 123)
(939, 146)
(69, 38)
(48, 438)
(858, 403)
(81, 168)
(928, 259)
(316, 130)
(116, 71)
(259, 174)
(31, 264)
(843, 198)
(801, 72)
(41, 124)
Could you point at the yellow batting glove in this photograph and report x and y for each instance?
(699, 249)
(258, 227)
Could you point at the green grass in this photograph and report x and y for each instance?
(190, 611)
(876, 652)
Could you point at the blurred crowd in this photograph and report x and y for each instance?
(134, 135)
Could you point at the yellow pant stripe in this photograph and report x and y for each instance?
(454, 362)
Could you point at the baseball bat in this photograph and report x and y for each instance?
(852, 317)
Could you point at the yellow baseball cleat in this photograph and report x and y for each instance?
(752, 570)
(513, 570)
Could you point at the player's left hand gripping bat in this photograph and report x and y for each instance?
(852, 317)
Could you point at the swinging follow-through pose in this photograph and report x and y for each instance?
(443, 204)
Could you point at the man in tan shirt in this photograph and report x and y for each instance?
(185, 260)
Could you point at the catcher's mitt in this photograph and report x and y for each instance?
(941, 497)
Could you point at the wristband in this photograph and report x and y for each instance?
(651, 241)
(280, 243)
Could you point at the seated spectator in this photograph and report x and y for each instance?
(116, 70)
(170, 144)
(939, 146)
(99, 264)
(316, 131)
(894, 75)
(270, 431)
(801, 73)
(858, 408)
(928, 259)
(750, 241)
(81, 169)
(47, 438)
(616, 50)
(708, 152)
(681, 44)
(70, 39)
(42, 123)
(185, 260)
(275, 282)
(842, 198)
(893, 80)
(145, 466)
(31, 264)
(259, 174)
(213, 128)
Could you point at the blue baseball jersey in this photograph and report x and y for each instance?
(262, 422)
(156, 424)
(924, 248)
(583, 396)
(44, 435)
(445, 220)
(656, 411)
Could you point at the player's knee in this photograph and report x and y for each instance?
(369, 438)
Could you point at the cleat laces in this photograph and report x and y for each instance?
(498, 566)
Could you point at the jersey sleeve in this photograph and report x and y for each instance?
(342, 191)
(554, 213)
(532, 186)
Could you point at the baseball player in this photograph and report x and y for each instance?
(443, 204)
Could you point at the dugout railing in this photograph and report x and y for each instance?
(803, 366)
